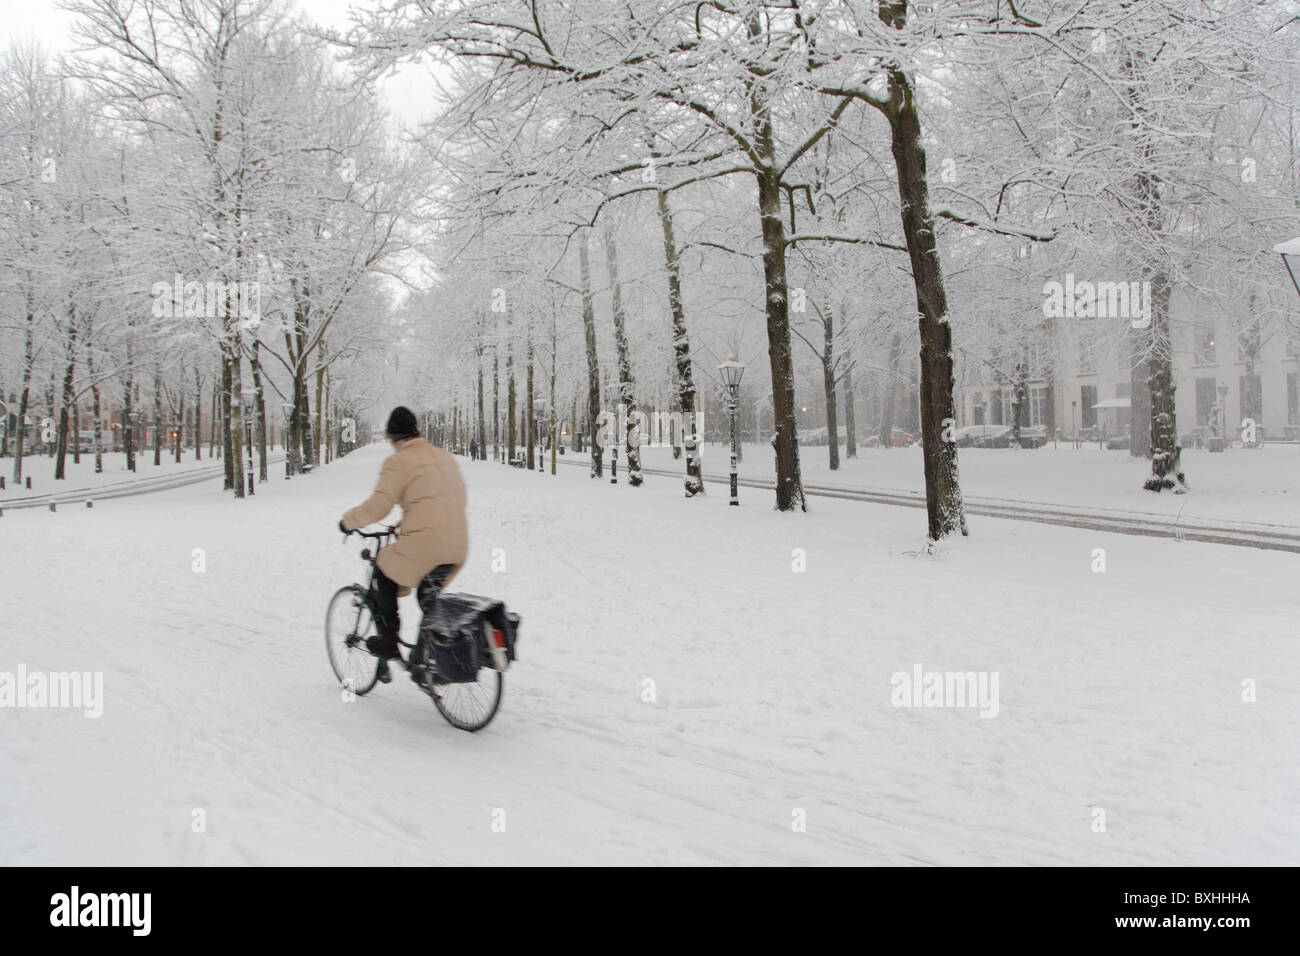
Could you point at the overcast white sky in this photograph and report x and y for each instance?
(408, 94)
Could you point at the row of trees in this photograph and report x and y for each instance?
(611, 199)
(784, 154)
(199, 210)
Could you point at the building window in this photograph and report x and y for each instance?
(1039, 400)
(1087, 356)
(1087, 399)
(1292, 399)
(1206, 396)
(1204, 345)
(1250, 394)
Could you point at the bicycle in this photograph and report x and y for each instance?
(350, 620)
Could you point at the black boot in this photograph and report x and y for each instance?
(383, 646)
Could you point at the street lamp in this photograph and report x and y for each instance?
(731, 372)
(1074, 415)
(286, 412)
(1290, 253)
(615, 391)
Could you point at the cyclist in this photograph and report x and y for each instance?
(425, 481)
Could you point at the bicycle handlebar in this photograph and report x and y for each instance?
(389, 531)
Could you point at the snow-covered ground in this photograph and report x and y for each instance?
(1119, 691)
(1240, 485)
(40, 468)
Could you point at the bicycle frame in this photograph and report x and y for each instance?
(384, 539)
(372, 559)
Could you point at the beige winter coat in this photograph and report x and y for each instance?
(425, 481)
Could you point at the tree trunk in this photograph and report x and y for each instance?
(1165, 451)
(98, 412)
(850, 414)
(530, 408)
(593, 364)
(318, 426)
(180, 423)
(684, 381)
(943, 500)
(626, 383)
(157, 414)
(225, 420)
(198, 414)
(76, 432)
(212, 424)
(789, 484)
(128, 432)
(1020, 391)
(510, 400)
(302, 423)
(69, 367)
(25, 396)
(496, 411)
(828, 384)
(481, 439)
(256, 368)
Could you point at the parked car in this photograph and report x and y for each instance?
(991, 436)
(821, 436)
(1031, 436)
(968, 436)
(898, 439)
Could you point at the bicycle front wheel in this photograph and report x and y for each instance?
(348, 622)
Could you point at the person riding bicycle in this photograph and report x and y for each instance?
(426, 482)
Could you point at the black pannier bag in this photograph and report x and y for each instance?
(464, 632)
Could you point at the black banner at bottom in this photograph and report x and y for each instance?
(1162, 907)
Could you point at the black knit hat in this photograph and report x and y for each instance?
(402, 424)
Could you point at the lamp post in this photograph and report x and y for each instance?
(1074, 415)
(615, 392)
(286, 412)
(731, 372)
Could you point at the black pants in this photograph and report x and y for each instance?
(384, 594)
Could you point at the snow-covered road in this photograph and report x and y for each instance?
(683, 695)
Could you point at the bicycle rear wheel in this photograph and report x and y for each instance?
(348, 622)
(469, 706)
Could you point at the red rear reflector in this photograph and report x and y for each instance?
(499, 637)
